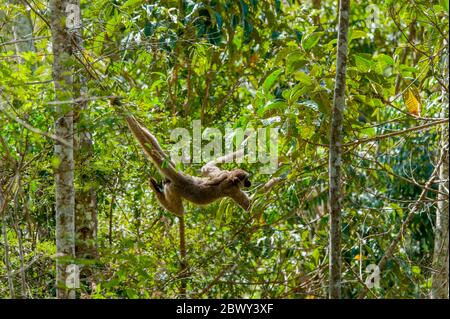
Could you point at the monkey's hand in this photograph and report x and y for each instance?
(157, 188)
(242, 199)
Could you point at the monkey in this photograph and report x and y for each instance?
(178, 186)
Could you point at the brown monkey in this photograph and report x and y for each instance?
(215, 184)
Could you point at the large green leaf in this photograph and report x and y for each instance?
(270, 80)
(311, 40)
(363, 62)
(302, 77)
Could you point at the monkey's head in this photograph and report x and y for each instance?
(240, 178)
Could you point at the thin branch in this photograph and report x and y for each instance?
(34, 129)
(360, 280)
(226, 158)
(83, 99)
(37, 13)
(383, 136)
(270, 184)
(24, 40)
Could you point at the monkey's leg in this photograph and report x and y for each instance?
(172, 202)
(173, 199)
(159, 193)
(148, 141)
(168, 198)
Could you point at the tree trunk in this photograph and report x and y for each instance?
(439, 288)
(335, 156)
(183, 259)
(22, 29)
(316, 18)
(3, 203)
(64, 172)
(85, 196)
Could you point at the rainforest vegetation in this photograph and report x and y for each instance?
(355, 204)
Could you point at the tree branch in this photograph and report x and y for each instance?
(388, 254)
(383, 136)
(34, 129)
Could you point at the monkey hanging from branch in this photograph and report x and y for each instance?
(213, 185)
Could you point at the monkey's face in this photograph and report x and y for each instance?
(241, 178)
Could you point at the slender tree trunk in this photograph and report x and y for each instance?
(64, 172)
(85, 195)
(335, 152)
(183, 263)
(22, 28)
(18, 230)
(316, 18)
(439, 288)
(3, 204)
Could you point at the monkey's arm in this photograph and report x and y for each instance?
(241, 199)
(212, 167)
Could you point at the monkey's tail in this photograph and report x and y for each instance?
(151, 147)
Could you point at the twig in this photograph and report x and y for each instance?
(83, 99)
(24, 40)
(34, 129)
(383, 136)
(388, 254)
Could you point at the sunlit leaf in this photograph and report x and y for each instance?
(363, 63)
(412, 101)
(311, 40)
(270, 80)
(302, 77)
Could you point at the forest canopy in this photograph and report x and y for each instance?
(348, 190)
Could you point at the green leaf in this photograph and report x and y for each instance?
(438, 9)
(311, 40)
(295, 61)
(276, 105)
(416, 270)
(297, 91)
(149, 29)
(385, 59)
(270, 80)
(132, 3)
(407, 70)
(112, 24)
(357, 34)
(302, 77)
(219, 20)
(363, 64)
(131, 293)
(315, 255)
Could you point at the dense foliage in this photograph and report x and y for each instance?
(241, 64)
